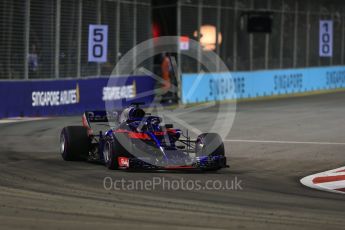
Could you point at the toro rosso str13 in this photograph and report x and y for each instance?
(133, 139)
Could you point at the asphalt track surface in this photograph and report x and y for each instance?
(38, 190)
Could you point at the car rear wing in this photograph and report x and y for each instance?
(99, 116)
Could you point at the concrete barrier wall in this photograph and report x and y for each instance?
(237, 85)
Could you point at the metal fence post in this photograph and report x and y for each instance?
(98, 23)
(319, 18)
(251, 41)
(281, 54)
(179, 61)
(118, 18)
(27, 40)
(342, 39)
(332, 57)
(219, 13)
(307, 38)
(267, 40)
(199, 34)
(57, 38)
(80, 16)
(295, 43)
(235, 37)
(134, 34)
(9, 36)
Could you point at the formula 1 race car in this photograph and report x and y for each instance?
(136, 140)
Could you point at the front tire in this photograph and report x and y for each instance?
(110, 155)
(74, 143)
(113, 149)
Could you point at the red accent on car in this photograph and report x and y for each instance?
(123, 162)
(171, 130)
(142, 136)
(134, 135)
(86, 125)
(121, 131)
(158, 133)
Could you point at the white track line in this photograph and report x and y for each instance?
(21, 119)
(286, 142)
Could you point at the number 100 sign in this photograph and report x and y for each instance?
(326, 38)
(98, 43)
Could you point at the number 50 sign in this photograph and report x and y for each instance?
(326, 38)
(98, 43)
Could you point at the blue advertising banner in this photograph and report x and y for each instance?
(235, 85)
(67, 97)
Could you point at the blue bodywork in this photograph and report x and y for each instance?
(154, 146)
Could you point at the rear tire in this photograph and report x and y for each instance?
(209, 144)
(74, 143)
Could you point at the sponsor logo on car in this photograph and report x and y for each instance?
(123, 162)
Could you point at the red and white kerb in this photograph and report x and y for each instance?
(331, 181)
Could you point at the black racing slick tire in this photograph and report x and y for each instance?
(74, 143)
(209, 144)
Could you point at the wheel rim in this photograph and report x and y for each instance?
(62, 143)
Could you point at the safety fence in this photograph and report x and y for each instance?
(264, 34)
(43, 39)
